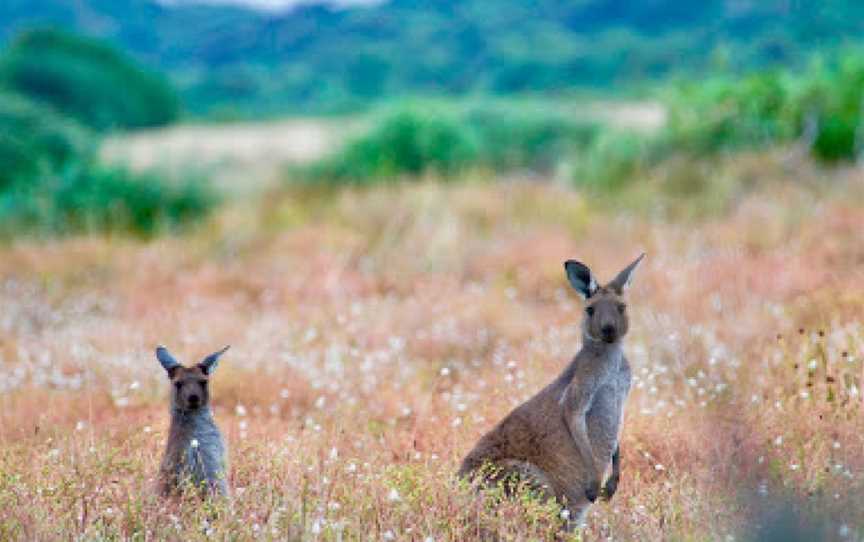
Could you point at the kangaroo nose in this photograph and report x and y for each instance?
(608, 331)
(193, 400)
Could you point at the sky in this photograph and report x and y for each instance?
(273, 5)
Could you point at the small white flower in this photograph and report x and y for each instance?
(812, 365)
(194, 443)
(351, 467)
(794, 466)
(778, 441)
(147, 429)
(659, 467)
(334, 453)
(445, 371)
(134, 385)
(388, 535)
(80, 425)
(320, 402)
(565, 514)
(240, 410)
(393, 496)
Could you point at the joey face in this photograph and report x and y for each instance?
(189, 388)
(189, 385)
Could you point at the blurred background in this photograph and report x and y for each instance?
(371, 201)
(134, 115)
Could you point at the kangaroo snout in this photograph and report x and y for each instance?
(608, 333)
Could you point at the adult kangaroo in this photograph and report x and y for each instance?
(562, 441)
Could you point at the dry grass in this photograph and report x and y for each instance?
(376, 334)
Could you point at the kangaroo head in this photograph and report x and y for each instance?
(605, 310)
(189, 384)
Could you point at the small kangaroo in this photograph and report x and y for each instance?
(561, 441)
(195, 452)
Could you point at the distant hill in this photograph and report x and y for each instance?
(316, 58)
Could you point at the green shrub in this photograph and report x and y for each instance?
(407, 143)
(448, 141)
(611, 160)
(727, 114)
(86, 198)
(51, 182)
(527, 137)
(35, 140)
(87, 79)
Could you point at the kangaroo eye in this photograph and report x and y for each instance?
(590, 311)
(622, 307)
(178, 385)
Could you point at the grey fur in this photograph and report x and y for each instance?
(210, 363)
(195, 453)
(562, 441)
(166, 359)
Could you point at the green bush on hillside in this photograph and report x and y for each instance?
(516, 137)
(408, 143)
(36, 140)
(88, 80)
(51, 182)
(415, 141)
(86, 198)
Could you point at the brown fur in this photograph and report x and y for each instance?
(562, 440)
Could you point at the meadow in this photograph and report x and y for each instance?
(377, 331)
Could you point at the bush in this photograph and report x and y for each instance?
(85, 198)
(35, 140)
(415, 141)
(527, 137)
(610, 160)
(407, 143)
(726, 114)
(51, 182)
(88, 80)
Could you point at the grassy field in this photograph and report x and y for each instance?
(376, 333)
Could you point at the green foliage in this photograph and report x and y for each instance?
(86, 198)
(319, 58)
(35, 140)
(821, 106)
(448, 141)
(407, 143)
(610, 160)
(51, 182)
(87, 80)
(525, 136)
(728, 114)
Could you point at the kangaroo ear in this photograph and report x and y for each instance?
(581, 278)
(622, 281)
(208, 365)
(166, 360)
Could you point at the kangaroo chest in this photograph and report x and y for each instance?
(605, 412)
